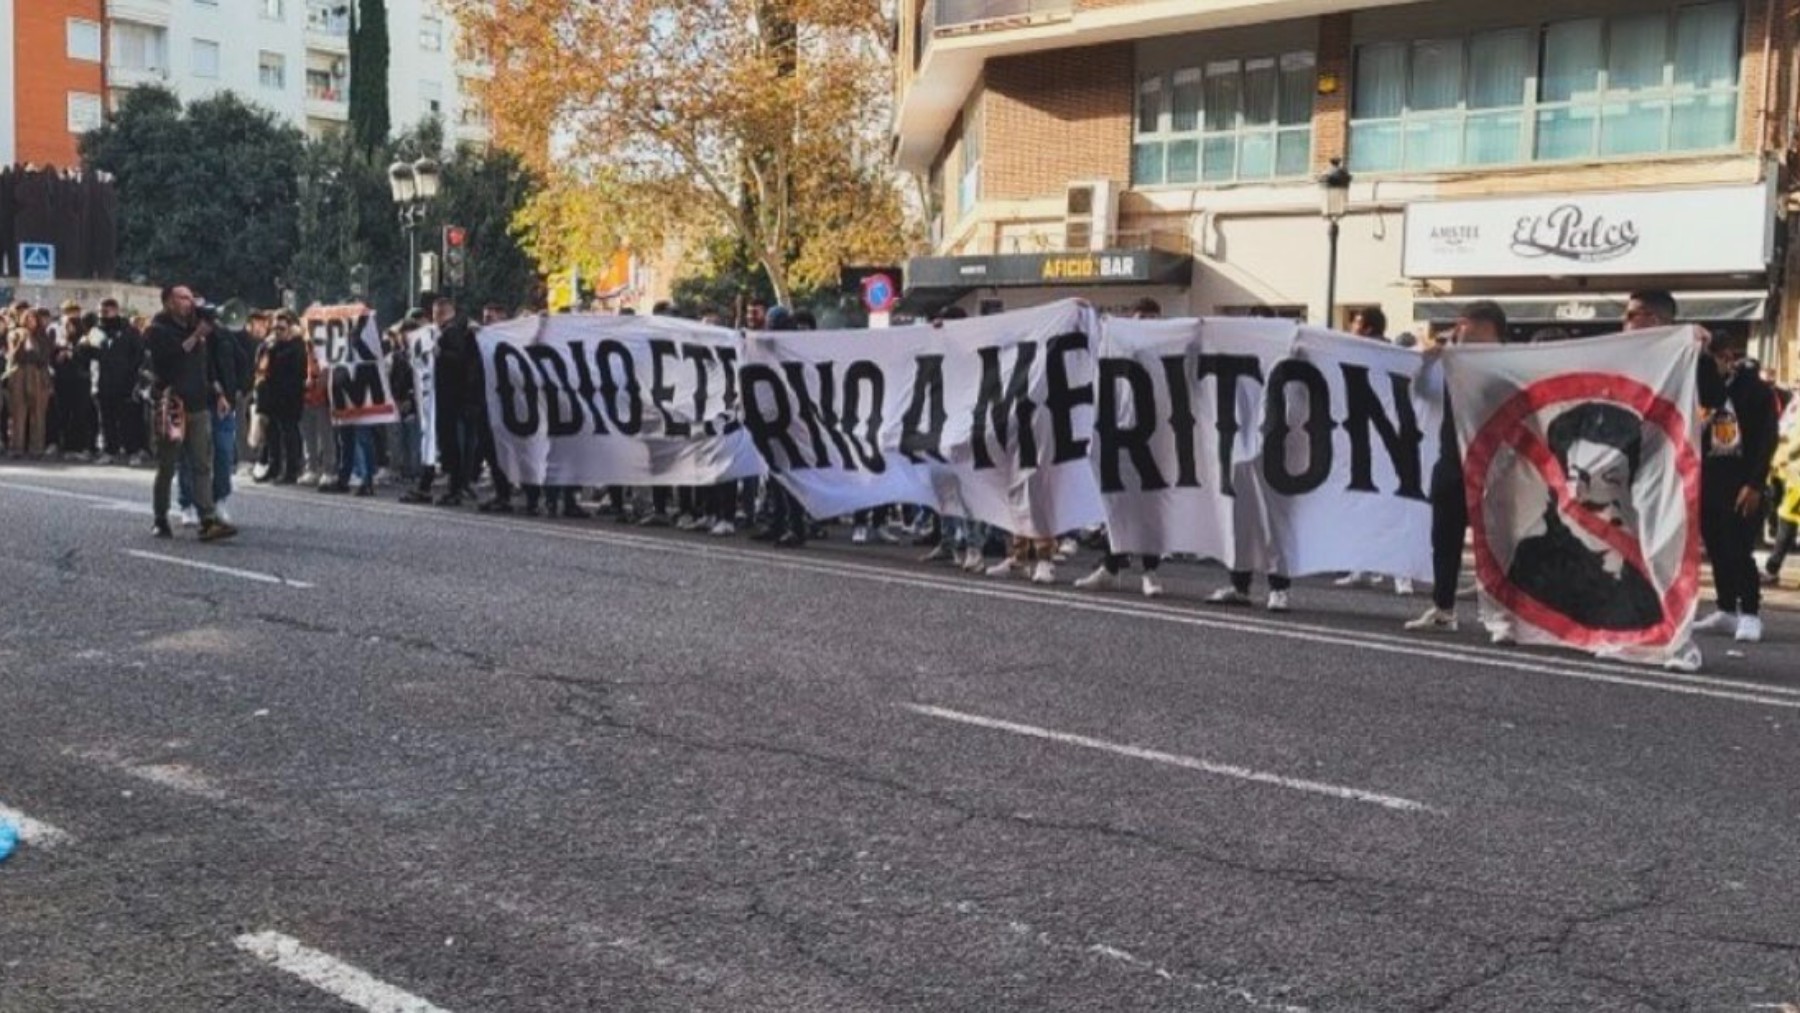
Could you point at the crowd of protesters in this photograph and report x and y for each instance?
(97, 387)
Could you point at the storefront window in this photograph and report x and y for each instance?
(1225, 121)
(1634, 84)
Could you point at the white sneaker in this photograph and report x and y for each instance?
(1403, 586)
(1355, 578)
(1099, 580)
(684, 522)
(1467, 592)
(308, 478)
(1152, 586)
(1749, 630)
(973, 561)
(859, 536)
(1228, 596)
(1044, 572)
(1004, 568)
(699, 524)
(1066, 549)
(1435, 620)
(190, 518)
(1718, 622)
(723, 529)
(1501, 635)
(887, 535)
(941, 552)
(219, 512)
(1278, 601)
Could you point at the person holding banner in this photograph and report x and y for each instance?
(1738, 446)
(1481, 323)
(1107, 575)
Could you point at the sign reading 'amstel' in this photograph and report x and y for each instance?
(1714, 230)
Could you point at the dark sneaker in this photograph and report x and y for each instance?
(216, 530)
(335, 488)
(416, 498)
(450, 499)
(571, 512)
(160, 528)
(496, 506)
(365, 489)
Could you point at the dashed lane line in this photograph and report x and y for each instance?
(229, 571)
(330, 975)
(33, 832)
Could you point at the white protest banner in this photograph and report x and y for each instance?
(1266, 445)
(990, 418)
(1583, 478)
(421, 355)
(347, 344)
(603, 400)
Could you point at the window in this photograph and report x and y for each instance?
(138, 47)
(206, 58)
(968, 182)
(271, 70)
(84, 40)
(431, 33)
(274, 10)
(85, 112)
(431, 97)
(1225, 121)
(1633, 84)
(328, 18)
(322, 86)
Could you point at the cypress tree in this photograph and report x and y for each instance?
(369, 117)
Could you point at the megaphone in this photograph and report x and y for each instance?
(234, 314)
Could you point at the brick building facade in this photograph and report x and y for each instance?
(1203, 129)
(54, 81)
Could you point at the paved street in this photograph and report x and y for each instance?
(450, 762)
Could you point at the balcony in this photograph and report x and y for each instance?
(329, 102)
(328, 27)
(947, 16)
(136, 77)
(143, 12)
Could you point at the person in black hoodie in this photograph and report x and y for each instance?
(281, 397)
(119, 350)
(185, 391)
(1738, 445)
(458, 359)
(231, 364)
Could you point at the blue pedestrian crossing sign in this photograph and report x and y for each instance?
(37, 264)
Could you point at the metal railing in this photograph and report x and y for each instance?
(970, 14)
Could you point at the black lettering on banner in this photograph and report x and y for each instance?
(701, 357)
(1182, 421)
(1287, 374)
(608, 355)
(661, 393)
(770, 428)
(1064, 397)
(922, 427)
(584, 385)
(355, 368)
(1005, 411)
(1230, 370)
(1133, 440)
(554, 373)
(818, 415)
(1401, 441)
(865, 384)
(515, 384)
(728, 362)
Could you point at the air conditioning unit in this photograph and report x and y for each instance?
(1090, 216)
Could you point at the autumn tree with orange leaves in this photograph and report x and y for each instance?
(763, 120)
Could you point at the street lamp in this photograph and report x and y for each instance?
(1334, 188)
(414, 185)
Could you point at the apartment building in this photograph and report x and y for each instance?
(69, 60)
(53, 81)
(1549, 154)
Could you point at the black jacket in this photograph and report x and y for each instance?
(1758, 421)
(187, 373)
(458, 374)
(121, 356)
(281, 383)
(233, 360)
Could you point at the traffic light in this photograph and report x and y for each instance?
(456, 256)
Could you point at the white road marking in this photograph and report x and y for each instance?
(1177, 760)
(174, 776)
(331, 975)
(36, 833)
(229, 571)
(1736, 691)
(98, 502)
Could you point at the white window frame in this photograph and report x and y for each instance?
(155, 47)
(1155, 103)
(968, 179)
(267, 60)
(274, 10)
(431, 33)
(84, 101)
(1533, 105)
(83, 29)
(199, 46)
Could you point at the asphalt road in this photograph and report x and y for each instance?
(426, 760)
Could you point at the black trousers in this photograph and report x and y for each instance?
(121, 424)
(1730, 544)
(487, 454)
(786, 515)
(1449, 529)
(283, 446)
(1240, 580)
(74, 426)
(1116, 561)
(452, 462)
